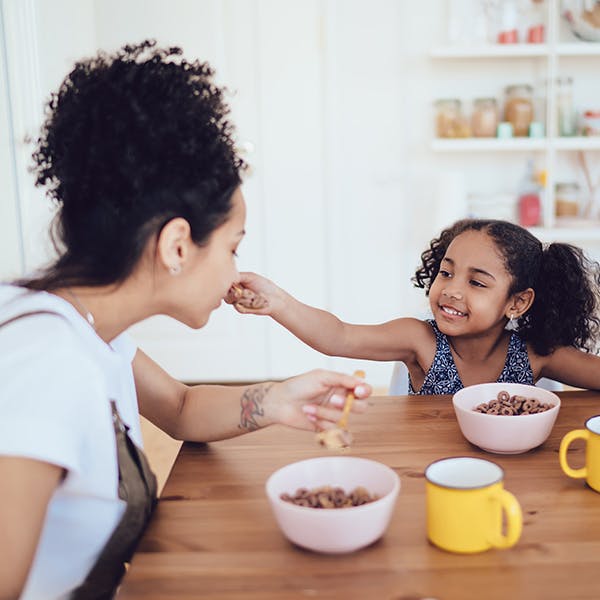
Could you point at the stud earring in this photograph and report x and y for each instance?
(175, 269)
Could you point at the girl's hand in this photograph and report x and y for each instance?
(255, 294)
(315, 400)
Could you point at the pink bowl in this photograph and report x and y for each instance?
(335, 530)
(504, 434)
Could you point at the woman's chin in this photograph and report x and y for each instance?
(194, 322)
(195, 318)
(200, 322)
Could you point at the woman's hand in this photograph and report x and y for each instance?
(255, 294)
(315, 400)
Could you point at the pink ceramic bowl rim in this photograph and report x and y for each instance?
(274, 496)
(458, 397)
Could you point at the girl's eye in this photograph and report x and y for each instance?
(444, 273)
(477, 283)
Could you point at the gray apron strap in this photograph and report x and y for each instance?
(137, 487)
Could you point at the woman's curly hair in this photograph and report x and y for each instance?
(130, 141)
(565, 281)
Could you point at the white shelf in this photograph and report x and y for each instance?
(490, 51)
(549, 58)
(578, 49)
(577, 143)
(515, 144)
(489, 144)
(515, 50)
(586, 232)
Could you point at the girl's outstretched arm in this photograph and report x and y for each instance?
(570, 366)
(323, 331)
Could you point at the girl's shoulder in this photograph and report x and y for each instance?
(539, 361)
(421, 335)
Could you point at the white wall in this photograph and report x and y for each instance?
(39, 54)
(11, 258)
(335, 99)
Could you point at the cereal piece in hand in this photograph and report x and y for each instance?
(246, 298)
(334, 438)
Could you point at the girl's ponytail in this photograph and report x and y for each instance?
(565, 309)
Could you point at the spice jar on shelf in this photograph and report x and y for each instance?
(566, 202)
(590, 122)
(449, 120)
(484, 120)
(508, 27)
(535, 22)
(518, 108)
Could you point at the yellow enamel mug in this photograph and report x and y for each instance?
(591, 435)
(466, 503)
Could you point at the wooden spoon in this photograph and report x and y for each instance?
(339, 436)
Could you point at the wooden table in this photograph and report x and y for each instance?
(213, 535)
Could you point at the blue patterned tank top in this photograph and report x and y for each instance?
(443, 378)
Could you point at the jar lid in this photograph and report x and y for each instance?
(454, 101)
(570, 186)
(519, 87)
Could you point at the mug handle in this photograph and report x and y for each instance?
(576, 434)
(514, 520)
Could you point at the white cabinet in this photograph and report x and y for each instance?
(562, 55)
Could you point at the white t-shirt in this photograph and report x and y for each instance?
(57, 378)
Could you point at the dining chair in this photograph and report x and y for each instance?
(399, 381)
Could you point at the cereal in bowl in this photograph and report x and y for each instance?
(507, 405)
(329, 497)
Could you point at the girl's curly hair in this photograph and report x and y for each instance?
(130, 141)
(565, 281)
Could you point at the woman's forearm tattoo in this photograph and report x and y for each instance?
(251, 406)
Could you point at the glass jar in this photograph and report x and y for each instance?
(567, 122)
(484, 120)
(566, 200)
(449, 120)
(518, 108)
(590, 122)
(509, 32)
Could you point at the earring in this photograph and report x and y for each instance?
(175, 269)
(512, 324)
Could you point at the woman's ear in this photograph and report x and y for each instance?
(520, 303)
(173, 244)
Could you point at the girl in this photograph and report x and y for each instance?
(504, 309)
(139, 157)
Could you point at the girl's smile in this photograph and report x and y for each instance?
(452, 312)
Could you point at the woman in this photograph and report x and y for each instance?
(138, 155)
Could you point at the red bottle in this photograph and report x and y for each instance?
(530, 209)
(535, 34)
